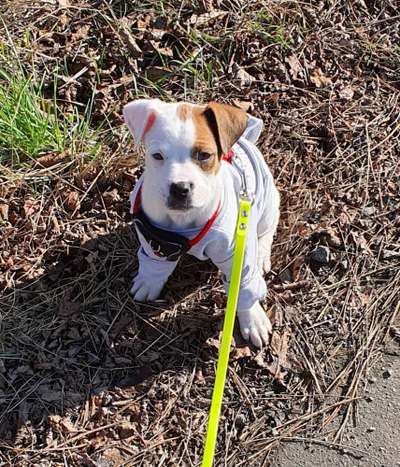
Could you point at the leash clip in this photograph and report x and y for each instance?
(245, 195)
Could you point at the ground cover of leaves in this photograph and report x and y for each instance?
(87, 376)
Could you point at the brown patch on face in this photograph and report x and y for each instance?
(205, 140)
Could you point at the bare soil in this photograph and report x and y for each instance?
(90, 378)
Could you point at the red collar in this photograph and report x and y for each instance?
(228, 156)
(203, 232)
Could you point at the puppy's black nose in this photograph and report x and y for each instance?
(180, 189)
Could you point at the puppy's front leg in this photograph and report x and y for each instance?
(144, 290)
(255, 325)
(152, 275)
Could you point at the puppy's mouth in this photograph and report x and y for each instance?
(179, 204)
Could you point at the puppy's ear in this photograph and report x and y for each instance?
(140, 116)
(227, 123)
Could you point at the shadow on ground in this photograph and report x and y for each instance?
(75, 332)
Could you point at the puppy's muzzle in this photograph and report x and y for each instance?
(180, 195)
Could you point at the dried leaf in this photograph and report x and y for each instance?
(80, 33)
(63, 423)
(144, 22)
(71, 200)
(332, 238)
(156, 34)
(205, 18)
(30, 207)
(277, 315)
(213, 343)
(279, 345)
(241, 352)
(319, 79)
(54, 420)
(199, 377)
(259, 360)
(127, 37)
(126, 430)
(295, 66)
(245, 78)
(296, 266)
(50, 159)
(111, 197)
(167, 51)
(207, 5)
(112, 457)
(67, 425)
(4, 211)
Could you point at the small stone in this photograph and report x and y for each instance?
(371, 429)
(369, 399)
(286, 276)
(387, 373)
(368, 211)
(371, 380)
(320, 254)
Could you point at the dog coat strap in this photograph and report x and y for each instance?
(203, 232)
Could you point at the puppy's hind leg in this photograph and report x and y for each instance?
(268, 226)
(264, 252)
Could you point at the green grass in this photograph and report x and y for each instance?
(27, 128)
(31, 125)
(269, 31)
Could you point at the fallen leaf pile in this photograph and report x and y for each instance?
(90, 378)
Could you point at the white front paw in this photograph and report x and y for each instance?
(255, 325)
(145, 290)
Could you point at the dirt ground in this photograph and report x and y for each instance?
(90, 378)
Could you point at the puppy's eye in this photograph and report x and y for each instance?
(203, 156)
(157, 156)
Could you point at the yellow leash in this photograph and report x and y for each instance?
(223, 358)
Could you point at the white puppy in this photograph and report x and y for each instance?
(198, 159)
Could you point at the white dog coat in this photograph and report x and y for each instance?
(218, 243)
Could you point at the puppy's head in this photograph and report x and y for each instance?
(184, 144)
